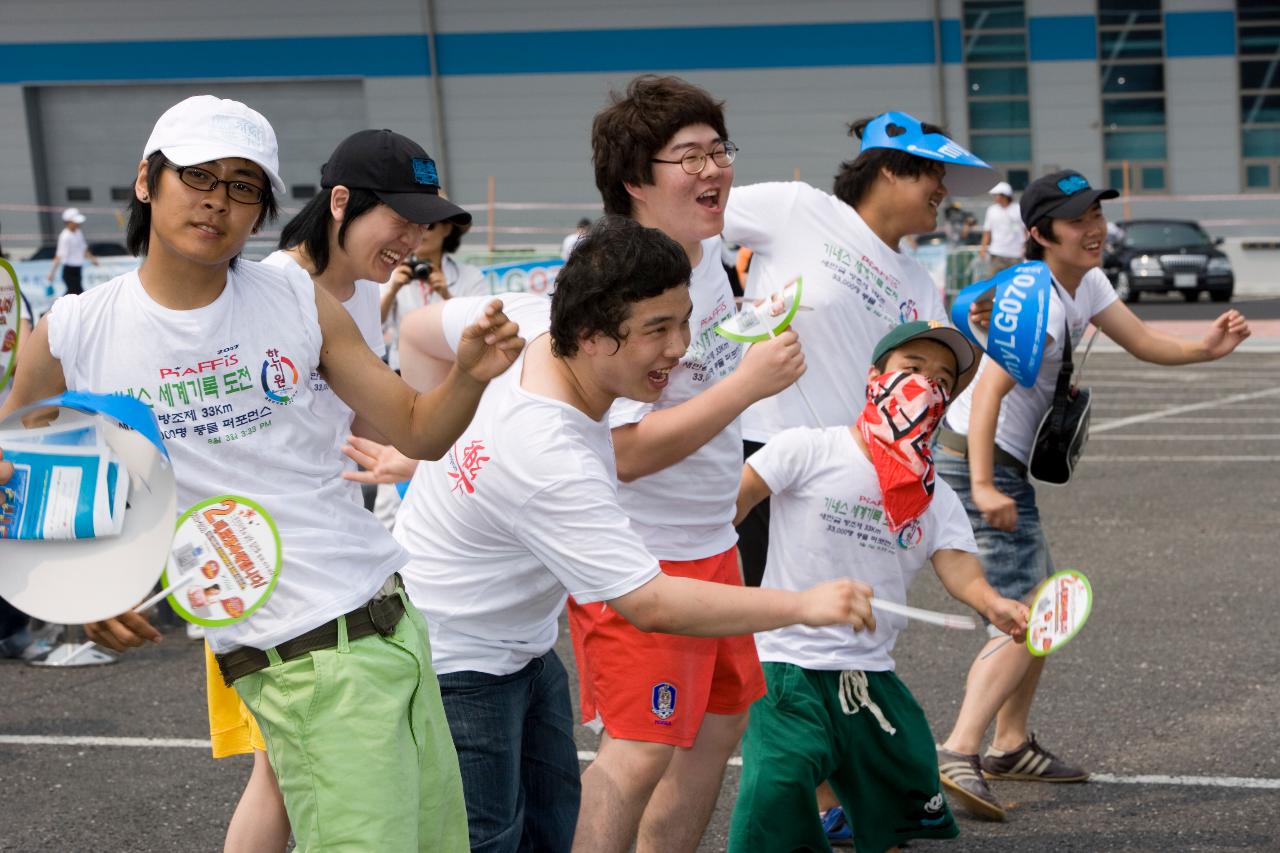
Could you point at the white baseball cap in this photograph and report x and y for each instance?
(1001, 188)
(73, 214)
(204, 128)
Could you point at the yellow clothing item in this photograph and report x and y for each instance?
(232, 728)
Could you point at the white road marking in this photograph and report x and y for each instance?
(1183, 458)
(588, 755)
(1239, 436)
(77, 740)
(1192, 781)
(1178, 410)
(1220, 420)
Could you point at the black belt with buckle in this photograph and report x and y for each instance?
(379, 615)
(959, 443)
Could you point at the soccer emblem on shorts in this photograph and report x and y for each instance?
(664, 700)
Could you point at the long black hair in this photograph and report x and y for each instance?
(310, 228)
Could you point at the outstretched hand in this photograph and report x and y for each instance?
(490, 345)
(839, 602)
(382, 462)
(1226, 333)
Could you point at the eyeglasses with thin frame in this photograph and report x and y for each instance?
(695, 159)
(204, 180)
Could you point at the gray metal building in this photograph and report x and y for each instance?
(1184, 91)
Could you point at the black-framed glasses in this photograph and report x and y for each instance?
(695, 159)
(204, 180)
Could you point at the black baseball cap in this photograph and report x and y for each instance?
(395, 169)
(1060, 195)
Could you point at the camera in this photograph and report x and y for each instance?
(421, 267)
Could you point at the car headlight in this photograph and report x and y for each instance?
(1146, 265)
(1218, 266)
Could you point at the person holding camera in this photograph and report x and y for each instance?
(429, 274)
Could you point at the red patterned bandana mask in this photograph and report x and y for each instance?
(902, 411)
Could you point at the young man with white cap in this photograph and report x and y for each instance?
(1003, 234)
(226, 348)
(72, 251)
(861, 502)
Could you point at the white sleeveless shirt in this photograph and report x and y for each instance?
(229, 385)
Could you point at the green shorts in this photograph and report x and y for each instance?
(801, 734)
(359, 743)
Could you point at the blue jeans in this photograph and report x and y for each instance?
(1015, 563)
(520, 773)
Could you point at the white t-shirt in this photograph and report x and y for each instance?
(1023, 408)
(71, 247)
(462, 280)
(364, 310)
(685, 511)
(567, 244)
(228, 384)
(520, 513)
(826, 521)
(1008, 236)
(858, 287)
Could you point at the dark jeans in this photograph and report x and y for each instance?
(14, 635)
(71, 277)
(520, 773)
(753, 532)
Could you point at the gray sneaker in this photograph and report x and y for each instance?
(962, 777)
(1030, 762)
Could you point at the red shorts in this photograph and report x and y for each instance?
(657, 687)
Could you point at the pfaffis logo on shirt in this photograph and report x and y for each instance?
(279, 377)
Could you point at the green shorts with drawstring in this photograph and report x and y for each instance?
(862, 732)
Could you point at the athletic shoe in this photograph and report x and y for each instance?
(1030, 762)
(962, 777)
(836, 825)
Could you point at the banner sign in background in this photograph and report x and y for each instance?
(523, 277)
(1019, 318)
(33, 278)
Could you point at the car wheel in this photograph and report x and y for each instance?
(1191, 295)
(1125, 290)
(1220, 295)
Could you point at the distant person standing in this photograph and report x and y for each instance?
(1003, 236)
(72, 251)
(571, 240)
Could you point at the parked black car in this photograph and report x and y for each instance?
(1163, 255)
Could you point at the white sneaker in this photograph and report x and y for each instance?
(194, 631)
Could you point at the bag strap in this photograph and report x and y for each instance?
(1062, 392)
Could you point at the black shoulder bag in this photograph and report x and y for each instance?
(1063, 431)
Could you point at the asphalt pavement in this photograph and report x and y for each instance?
(1169, 694)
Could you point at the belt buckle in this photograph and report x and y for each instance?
(383, 615)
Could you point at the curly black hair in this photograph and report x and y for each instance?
(619, 262)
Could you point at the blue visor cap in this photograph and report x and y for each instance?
(967, 174)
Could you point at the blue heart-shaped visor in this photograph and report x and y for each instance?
(967, 174)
